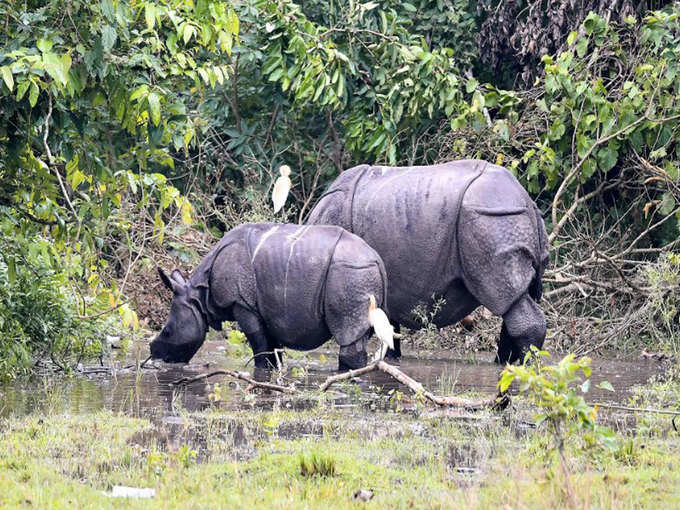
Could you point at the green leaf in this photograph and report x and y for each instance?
(204, 75)
(44, 45)
(150, 15)
(588, 168)
(189, 135)
(77, 178)
(189, 30)
(557, 130)
(22, 88)
(573, 35)
(55, 67)
(66, 66)
(109, 37)
(233, 22)
(11, 269)
(582, 47)
(33, 94)
(140, 93)
(108, 10)
(506, 380)
(606, 385)
(658, 154)
(72, 165)
(471, 85)
(154, 107)
(667, 203)
(607, 158)
(7, 77)
(276, 74)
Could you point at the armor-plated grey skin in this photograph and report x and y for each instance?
(286, 285)
(465, 231)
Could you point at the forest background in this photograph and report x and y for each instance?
(135, 132)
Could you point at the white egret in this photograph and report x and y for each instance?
(281, 188)
(382, 327)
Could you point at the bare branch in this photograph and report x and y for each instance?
(244, 376)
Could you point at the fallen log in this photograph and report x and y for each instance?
(244, 376)
(416, 387)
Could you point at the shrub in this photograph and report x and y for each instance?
(553, 388)
(38, 317)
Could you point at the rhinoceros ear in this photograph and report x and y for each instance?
(178, 277)
(169, 282)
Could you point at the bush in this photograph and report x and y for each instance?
(555, 389)
(38, 317)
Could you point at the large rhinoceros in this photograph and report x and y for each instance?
(286, 286)
(465, 231)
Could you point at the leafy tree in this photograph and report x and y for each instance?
(95, 100)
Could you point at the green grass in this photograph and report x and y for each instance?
(320, 458)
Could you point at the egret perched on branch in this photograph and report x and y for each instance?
(382, 327)
(281, 188)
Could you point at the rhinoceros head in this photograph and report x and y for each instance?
(185, 330)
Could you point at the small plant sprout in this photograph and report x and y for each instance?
(282, 187)
(555, 389)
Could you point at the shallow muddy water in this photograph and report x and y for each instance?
(149, 393)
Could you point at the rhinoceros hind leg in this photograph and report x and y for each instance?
(254, 329)
(354, 355)
(523, 326)
(394, 354)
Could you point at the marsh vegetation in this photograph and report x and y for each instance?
(216, 445)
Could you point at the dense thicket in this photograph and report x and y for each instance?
(125, 124)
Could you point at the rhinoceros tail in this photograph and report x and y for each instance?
(542, 257)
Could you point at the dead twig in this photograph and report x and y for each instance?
(237, 375)
(637, 409)
(50, 159)
(411, 384)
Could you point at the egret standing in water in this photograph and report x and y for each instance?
(281, 188)
(382, 328)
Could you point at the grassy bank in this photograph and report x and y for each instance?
(322, 457)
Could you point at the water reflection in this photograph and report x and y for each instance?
(149, 393)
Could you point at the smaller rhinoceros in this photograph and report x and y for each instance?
(286, 286)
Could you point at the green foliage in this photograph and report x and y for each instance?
(372, 64)
(598, 113)
(38, 316)
(553, 388)
(238, 343)
(93, 107)
(93, 103)
(320, 86)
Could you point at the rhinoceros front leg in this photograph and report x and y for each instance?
(353, 355)
(523, 326)
(253, 327)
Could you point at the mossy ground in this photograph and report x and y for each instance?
(253, 459)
